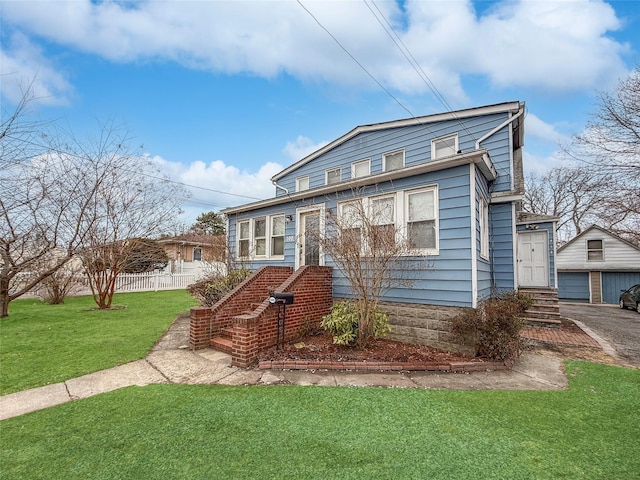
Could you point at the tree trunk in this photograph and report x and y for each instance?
(4, 297)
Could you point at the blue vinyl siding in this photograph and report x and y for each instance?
(501, 245)
(416, 142)
(441, 279)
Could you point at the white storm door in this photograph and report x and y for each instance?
(533, 259)
(309, 246)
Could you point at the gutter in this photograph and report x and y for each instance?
(275, 184)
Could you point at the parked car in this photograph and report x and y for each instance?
(631, 298)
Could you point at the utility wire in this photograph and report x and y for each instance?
(355, 60)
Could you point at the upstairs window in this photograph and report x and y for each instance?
(595, 250)
(444, 147)
(243, 239)
(393, 161)
(260, 236)
(302, 183)
(277, 236)
(361, 169)
(421, 219)
(333, 176)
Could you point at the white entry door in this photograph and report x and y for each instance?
(533, 259)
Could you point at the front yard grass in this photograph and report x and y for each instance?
(590, 431)
(42, 344)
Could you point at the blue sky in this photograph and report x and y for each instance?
(223, 95)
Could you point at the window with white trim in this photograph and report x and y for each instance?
(361, 168)
(595, 250)
(483, 216)
(444, 147)
(333, 176)
(302, 183)
(421, 218)
(351, 227)
(243, 238)
(277, 236)
(383, 221)
(197, 254)
(260, 236)
(393, 161)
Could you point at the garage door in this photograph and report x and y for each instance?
(613, 282)
(573, 286)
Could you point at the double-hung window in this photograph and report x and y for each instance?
(243, 238)
(361, 169)
(302, 183)
(595, 250)
(260, 236)
(421, 220)
(350, 224)
(333, 176)
(444, 147)
(393, 161)
(383, 223)
(277, 236)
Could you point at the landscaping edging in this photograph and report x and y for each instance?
(460, 367)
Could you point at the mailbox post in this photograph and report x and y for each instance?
(282, 300)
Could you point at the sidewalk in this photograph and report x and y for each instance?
(170, 361)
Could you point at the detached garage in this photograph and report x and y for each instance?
(595, 265)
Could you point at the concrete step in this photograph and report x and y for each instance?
(222, 344)
(542, 314)
(543, 322)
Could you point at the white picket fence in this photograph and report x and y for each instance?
(150, 281)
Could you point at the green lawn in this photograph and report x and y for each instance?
(591, 431)
(42, 344)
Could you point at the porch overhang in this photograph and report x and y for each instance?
(480, 158)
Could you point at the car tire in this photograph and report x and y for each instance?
(638, 307)
(621, 303)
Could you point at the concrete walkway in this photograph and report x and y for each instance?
(170, 361)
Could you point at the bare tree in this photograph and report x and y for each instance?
(575, 194)
(59, 195)
(363, 242)
(610, 148)
(133, 202)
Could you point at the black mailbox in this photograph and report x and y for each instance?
(281, 298)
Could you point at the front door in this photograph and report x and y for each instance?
(309, 246)
(533, 259)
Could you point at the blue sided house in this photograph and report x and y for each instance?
(455, 180)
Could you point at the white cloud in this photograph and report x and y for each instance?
(543, 131)
(562, 46)
(23, 66)
(302, 147)
(222, 185)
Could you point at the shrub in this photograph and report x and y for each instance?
(212, 288)
(343, 322)
(494, 326)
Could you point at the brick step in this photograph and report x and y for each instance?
(227, 332)
(222, 344)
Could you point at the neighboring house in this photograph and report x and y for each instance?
(190, 252)
(456, 176)
(595, 265)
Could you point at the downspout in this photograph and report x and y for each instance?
(286, 191)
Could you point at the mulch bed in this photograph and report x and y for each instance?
(319, 352)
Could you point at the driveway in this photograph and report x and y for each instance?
(621, 328)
